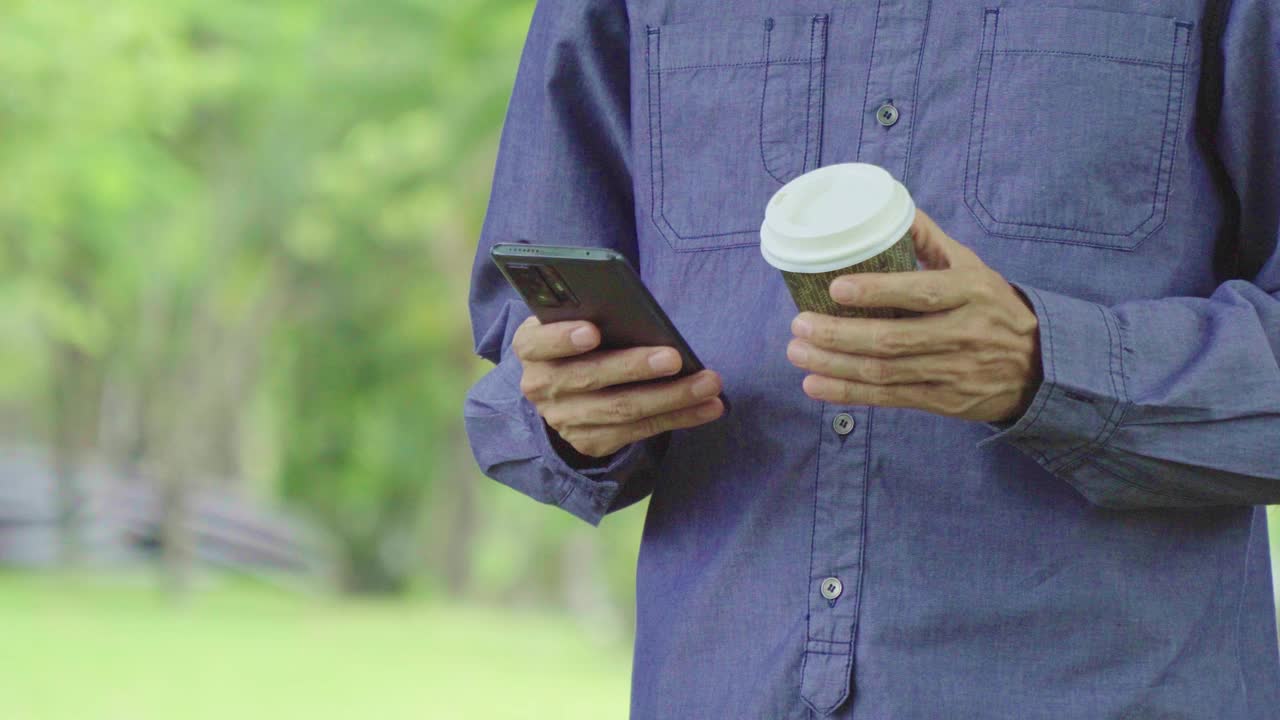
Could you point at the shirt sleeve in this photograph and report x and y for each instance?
(1176, 402)
(563, 177)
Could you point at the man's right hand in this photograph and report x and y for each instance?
(575, 389)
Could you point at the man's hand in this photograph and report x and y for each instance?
(576, 391)
(973, 352)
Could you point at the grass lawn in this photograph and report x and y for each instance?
(76, 648)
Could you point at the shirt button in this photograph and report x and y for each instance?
(831, 588)
(843, 424)
(887, 114)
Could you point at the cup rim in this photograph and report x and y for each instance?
(818, 249)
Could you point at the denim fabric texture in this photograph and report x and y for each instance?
(1102, 556)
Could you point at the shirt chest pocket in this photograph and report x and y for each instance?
(1076, 115)
(735, 110)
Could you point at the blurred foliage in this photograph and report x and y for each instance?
(235, 243)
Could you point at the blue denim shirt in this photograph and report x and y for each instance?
(1099, 557)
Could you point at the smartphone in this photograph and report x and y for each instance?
(594, 284)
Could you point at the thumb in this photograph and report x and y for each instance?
(936, 250)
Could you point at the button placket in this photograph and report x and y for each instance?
(887, 107)
(891, 84)
(836, 563)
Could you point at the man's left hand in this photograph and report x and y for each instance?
(972, 352)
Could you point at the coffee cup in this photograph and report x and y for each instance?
(838, 220)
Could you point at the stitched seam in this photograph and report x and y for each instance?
(808, 106)
(658, 194)
(764, 95)
(987, 225)
(752, 243)
(839, 645)
(986, 105)
(973, 119)
(977, 184)
(1164, 132)
(1244, 581)
(753, 63)
(813, 543)
(1174, 109)
(1137, 485)
(565, 497)
(875, 33)
(654, 140)
(915, 91)
(821, 95)
(862, 551)
(1164, 168)
(1087, 448)
(1083, 448)
(1125, 405)
(720, 234)
(1051, 379)
(1093, 56)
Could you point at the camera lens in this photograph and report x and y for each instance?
(558, 286)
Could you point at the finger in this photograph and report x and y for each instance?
(868, 369)
(534, 341)
(621, 406)
(604, 440)
(924, 291)
(880, 337)
(681, 419)
(606, 368)
(930, 397)
(935, 249)
(846, 392)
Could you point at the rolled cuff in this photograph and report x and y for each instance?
(511, 444)
(1082, 396)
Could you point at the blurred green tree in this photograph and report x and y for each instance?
(235, 245)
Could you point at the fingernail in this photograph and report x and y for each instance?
(797, 353)
(844, 290)
(582, 337)
(664, 361)
(709, 411)
(801, 327)
(706, 387)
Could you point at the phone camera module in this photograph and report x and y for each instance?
(534, 286)
(552, 278)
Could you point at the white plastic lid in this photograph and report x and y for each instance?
(834, 217)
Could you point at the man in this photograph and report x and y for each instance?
(1033, 500)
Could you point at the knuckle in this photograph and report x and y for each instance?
(825, 333)
(635, 366)
(650, 426)
(865, 290)
(889, 340)
(879, 371)
(591, 446)
(557, 419)
(951, 402)
(852, 394)
(985, 360)
(578, 378)
(983, 288)
(931, 295)
(520, 343)
(975, 331)
(533, 384)
(621, 408)
(876, 395)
